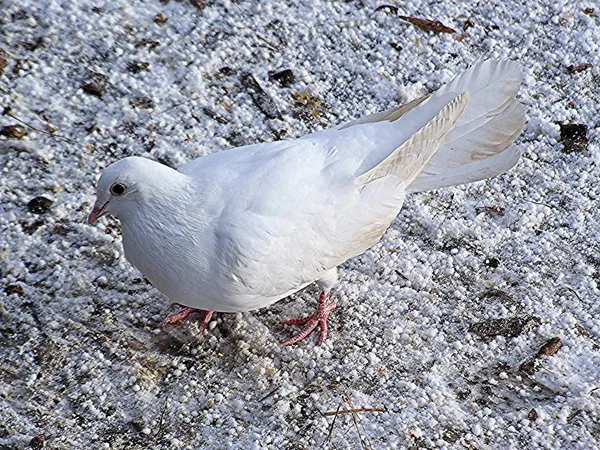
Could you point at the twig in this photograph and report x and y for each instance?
(352, 411)
(58, 136)
(269, 43)
(161, 421)
(269, 394)
(363, 443)
(569, 288)
(332, 425)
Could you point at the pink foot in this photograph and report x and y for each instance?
(179, 315)
(311, 322)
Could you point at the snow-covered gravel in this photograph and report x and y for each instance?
(83, 362)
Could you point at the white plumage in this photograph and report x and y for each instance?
(241, 229)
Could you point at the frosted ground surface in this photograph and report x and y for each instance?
(82, 359)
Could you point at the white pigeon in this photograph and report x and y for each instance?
(241, 229)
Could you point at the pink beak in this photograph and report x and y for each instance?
(97, 212)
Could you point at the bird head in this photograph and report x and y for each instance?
(129, 184)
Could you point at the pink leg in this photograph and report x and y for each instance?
(182, 314)
(311, 322)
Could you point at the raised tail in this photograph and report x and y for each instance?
(480, 144)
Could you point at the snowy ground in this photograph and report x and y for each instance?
(83, 364)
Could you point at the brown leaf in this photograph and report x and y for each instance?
(551, 346)
(13, 131)
(434, 26)
(579, 68)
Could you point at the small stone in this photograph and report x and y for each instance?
(573, 136)
(32, 227)
(13, 289)
(160, 19)
(95, 84)
(226, 71)
(37, 443)
(283, 77)
(493, 263)
(550, 347)
(579, 67)
(532, 415)
(147, 43)
(469, 23)
(142, 103)
(13, 131)
(3, 60)
(528, 367)
(200, 4)
(214, 115)
(39, 205)
(507, 327)
(137, 66)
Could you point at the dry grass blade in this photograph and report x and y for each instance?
(352, 411)
(161, 421)
(364, 444)
(434, 26)
(331, 427)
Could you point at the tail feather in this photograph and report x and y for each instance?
(408, 160)
(491, 122)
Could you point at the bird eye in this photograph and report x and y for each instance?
(117, 189)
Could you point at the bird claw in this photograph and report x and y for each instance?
(311, 322)
(186, 311)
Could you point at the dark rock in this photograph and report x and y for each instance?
(137, 66)
(532, 415)
(147, 43)
(13, 289)
(492, 263)
(95, 84)
(283, 77)
(160, 19)
(528, 367)
(450, 435)
(507, 327)
(573, 136)
(579, 67)
(39, 205)
(34, 44)
(214, 115)
(3, 60)
(226, 70)
(32, 227)
(390, 8)
(469, 23)
(260, 97)
(142, 103)
(200, 4)
(21, 14)
(38, 442)
(13, 131)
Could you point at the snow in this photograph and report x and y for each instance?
(83, 361)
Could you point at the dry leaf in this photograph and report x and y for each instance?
(429, 25)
